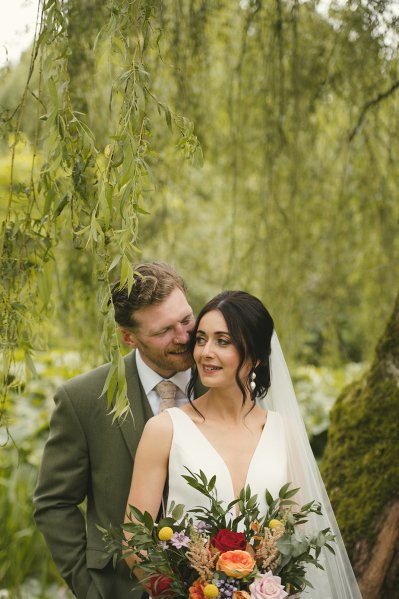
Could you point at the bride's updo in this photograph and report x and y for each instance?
(251, 328)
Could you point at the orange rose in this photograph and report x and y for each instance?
(196, 591)
(236, 564)
(241, 595)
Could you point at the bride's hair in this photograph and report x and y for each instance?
(250, 327)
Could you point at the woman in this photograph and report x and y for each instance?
(225, 433)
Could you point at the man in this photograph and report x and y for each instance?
(88, 457)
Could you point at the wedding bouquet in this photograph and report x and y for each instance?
(205, 553)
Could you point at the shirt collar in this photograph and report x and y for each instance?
(149, 378)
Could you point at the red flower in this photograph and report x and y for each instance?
(228, 540)
(159, 585)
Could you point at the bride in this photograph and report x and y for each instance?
(225, 432)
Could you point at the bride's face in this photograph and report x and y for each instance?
(216, 357)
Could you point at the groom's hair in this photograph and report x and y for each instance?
(153, 282)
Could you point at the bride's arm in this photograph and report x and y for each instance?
(150, 469)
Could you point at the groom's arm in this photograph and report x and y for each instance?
(62, 486)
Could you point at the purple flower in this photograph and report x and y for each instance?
(179, 540)
(201, 526)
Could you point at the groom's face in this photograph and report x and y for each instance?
(162, 334)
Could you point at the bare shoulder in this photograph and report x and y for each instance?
(156, 439)
(159, 425)
(187, 408)
(193, 411)
(258, 415)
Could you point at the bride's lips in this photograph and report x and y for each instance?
(210, 368)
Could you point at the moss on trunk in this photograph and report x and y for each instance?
(361, 461)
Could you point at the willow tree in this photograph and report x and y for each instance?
(297, 113)
(86, 185)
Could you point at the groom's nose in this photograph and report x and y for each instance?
(182, 335)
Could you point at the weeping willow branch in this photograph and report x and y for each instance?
(368, 105)
(81, 187)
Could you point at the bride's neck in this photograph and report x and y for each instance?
(226, 405)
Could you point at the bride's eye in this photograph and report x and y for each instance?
(199, 340)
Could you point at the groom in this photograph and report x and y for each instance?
(89, 458)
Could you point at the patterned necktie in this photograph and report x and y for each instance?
(167, 392)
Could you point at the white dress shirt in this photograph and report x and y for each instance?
(149, 379)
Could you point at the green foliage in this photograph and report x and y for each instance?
(81, 190)
(317, 388)
(286, 206)
(27, 570)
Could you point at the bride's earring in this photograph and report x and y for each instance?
(252, 378)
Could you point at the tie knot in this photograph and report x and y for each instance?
(167, 392)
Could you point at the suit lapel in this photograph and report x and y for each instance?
(132, 428)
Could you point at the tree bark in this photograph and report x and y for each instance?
(361, 468)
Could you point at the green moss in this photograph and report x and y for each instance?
(361, 462)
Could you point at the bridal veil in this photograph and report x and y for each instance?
(337, 581)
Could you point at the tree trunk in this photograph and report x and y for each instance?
(361, 468)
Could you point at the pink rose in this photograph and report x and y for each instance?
(267, 587)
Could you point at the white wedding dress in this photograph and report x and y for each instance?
(191, 449)
(270, 468)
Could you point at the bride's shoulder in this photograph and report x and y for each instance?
(194, 413)
(158, 425)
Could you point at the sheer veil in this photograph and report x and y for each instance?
(337, 581)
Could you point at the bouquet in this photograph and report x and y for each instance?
(205, 553)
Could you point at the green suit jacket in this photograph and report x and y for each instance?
(88, 457)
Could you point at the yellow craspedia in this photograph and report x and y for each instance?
(210, 590)
(276, 524)
(165, 533)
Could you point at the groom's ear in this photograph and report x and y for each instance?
(129, 338)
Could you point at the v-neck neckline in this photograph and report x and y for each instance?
(221, 459)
